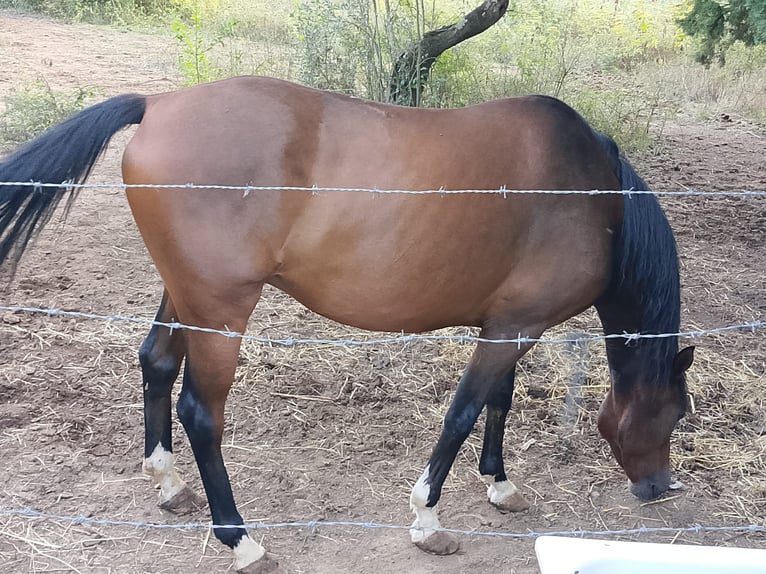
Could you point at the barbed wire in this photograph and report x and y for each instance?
(751, 327)
(313, 524)
(247, 189)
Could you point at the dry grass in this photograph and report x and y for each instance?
(557, 395)
(557, 392)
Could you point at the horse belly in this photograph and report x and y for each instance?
(390, 275)
(367, 304)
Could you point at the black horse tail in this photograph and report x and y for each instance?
(645, 270)
(65, 154)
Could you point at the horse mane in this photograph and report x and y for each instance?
(644, 294)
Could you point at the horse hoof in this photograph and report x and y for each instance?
(184, 502)
(439, 543)
(513, 503)
(264, 565)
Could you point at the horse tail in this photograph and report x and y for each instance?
(64, 154)
(645, 269)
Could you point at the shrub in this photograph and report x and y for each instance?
(97, 11)
(33, 108)
(196, 45)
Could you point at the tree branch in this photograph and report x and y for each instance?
(412, 69)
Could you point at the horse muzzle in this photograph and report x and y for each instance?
(652, 486)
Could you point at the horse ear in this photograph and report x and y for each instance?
(683, 360)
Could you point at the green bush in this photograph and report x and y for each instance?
(196, 45)
(586, 53)
(349, 46)
(33, 108)
(716, 26)
(96, 11)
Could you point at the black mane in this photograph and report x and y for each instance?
(644, 295)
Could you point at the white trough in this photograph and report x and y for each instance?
(560, 555)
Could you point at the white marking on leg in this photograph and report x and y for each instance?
(499, 491)
(426, 519)
(247, 551)
(160, 466)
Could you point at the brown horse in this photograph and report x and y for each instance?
(512, 265)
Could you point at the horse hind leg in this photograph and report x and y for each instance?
(211, 361)
(160, 356)
(502, 493)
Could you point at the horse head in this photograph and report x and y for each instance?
(637, 420)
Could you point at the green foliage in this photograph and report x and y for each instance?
(716, 26)
(329, 60)
(196, 45)
(622, 64)
(33, 108)
(586, 52)
(551, 42)
(97, 11)
(258, 20)
(456, 79)
(349, 45)
(626, 113)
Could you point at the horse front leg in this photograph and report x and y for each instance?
(160, 356)
(502, 493)
(489, 364)
(458, 422)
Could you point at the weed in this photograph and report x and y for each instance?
(196, 45)
(96, 11)
(32, 108)
(345, 45)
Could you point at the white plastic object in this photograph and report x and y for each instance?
(562, 555)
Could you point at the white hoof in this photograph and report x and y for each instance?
(247, 553)
(505, 496)
(160, 466)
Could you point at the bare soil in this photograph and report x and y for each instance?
(341, 434)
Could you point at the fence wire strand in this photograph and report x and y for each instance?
(314, 524)
(749, 327)
(247, 189)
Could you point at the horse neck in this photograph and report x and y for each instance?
(639, 361)
(643, 297)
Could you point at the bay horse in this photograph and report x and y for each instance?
(512, 265)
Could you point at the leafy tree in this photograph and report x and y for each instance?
(719, 24)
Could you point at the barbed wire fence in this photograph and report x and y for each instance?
(575, 341)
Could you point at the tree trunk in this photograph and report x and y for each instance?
(413, 67)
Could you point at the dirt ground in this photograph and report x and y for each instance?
(339, 434)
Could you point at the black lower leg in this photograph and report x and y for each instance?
(205, 435)
(160, 356)
(498, 404)
(458, 422)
